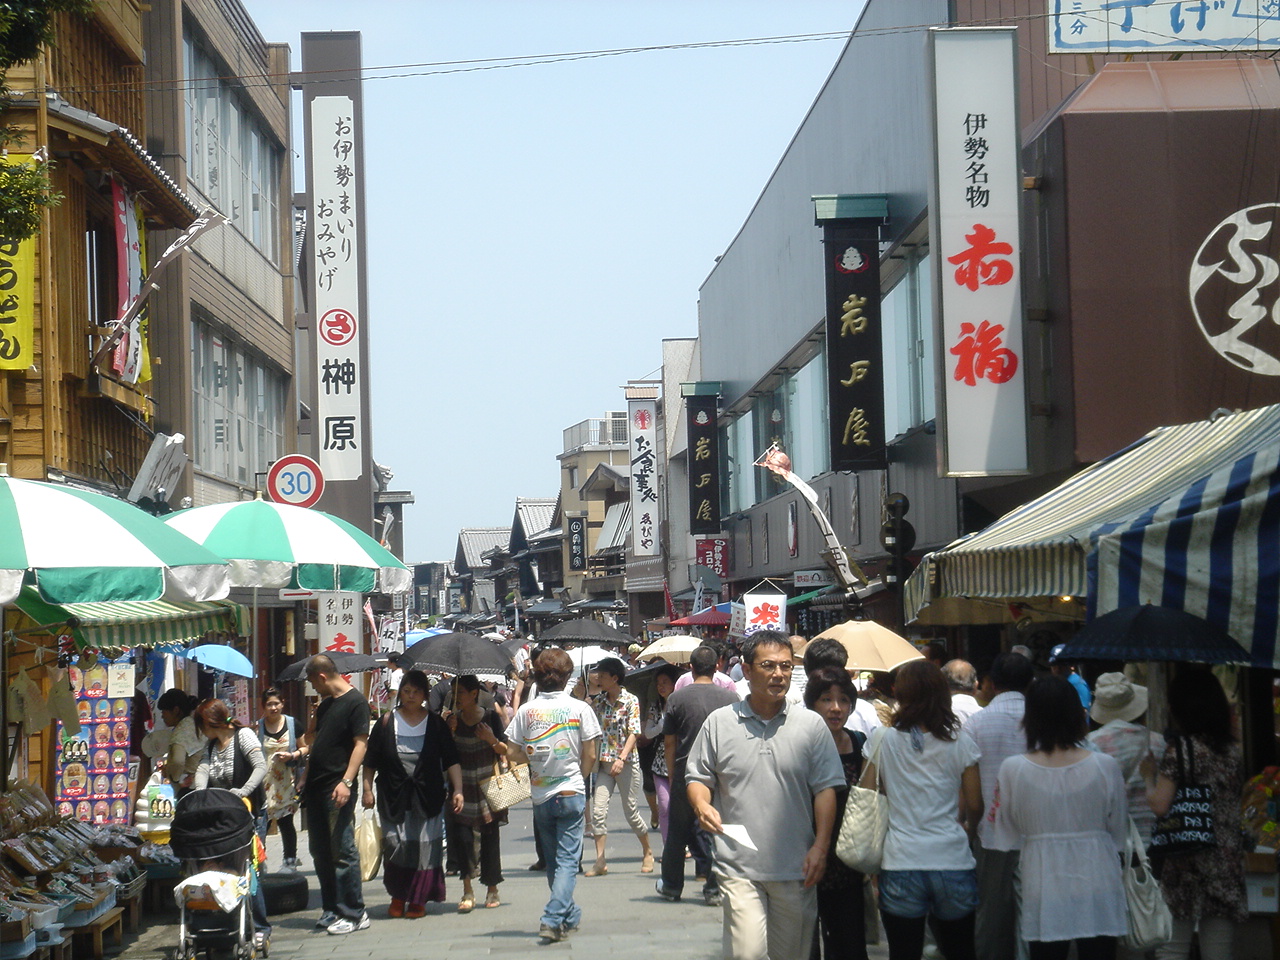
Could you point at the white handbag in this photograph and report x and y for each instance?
(1150, 922)
(860, 843)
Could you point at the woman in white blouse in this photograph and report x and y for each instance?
(1065, 807)
(928, 769)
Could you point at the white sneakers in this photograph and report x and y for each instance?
(290, 865)
(326, 920)
(343, 926)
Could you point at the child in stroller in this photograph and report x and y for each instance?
(213, 834)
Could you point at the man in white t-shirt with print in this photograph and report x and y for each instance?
(560, 736)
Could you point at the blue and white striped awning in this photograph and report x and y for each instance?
(1187, 517)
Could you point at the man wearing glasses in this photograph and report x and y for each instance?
(761, 779)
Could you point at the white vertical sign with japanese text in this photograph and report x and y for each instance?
(339, 616)
(976, 241)
(642, 440)
(336, 285)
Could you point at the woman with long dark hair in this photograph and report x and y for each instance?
(412, 755)
(928, 769)
(829, 692)
(1064, 806)
(233, 760)
(1204, 888)
(473, 830)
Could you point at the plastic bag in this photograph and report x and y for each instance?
(369, 845)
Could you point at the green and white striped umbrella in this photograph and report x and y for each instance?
(82, 547)
(280, 545)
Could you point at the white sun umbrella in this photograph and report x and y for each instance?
(584, 658)
(81, 547)
(673, 649)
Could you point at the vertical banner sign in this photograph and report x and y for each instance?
(576, 535)
(336, 268)
(977, 244)
(339, 619)
(855, 367)
(713, 553)
(126, 361)
(765, 612)
(704, 465)
(17, 297)
(643, 420)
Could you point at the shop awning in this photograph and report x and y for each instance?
(156, 624)
(545, 608)
(1188, 517)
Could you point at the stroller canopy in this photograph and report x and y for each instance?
(210, 823)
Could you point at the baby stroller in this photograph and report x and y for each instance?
(213, 834)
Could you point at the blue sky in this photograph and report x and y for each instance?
(536, 232)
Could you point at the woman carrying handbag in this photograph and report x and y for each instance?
(473, 830)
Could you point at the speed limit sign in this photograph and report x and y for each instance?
(295, 479)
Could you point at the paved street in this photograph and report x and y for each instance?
(622, 916)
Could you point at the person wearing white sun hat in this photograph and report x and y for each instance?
(1119, 706)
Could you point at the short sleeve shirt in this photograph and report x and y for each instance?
(764, 774)
(551, 730)
(618, 721)
(920, 774)
(339, 720)
(687, 711)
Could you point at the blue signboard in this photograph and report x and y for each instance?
(1129, 26)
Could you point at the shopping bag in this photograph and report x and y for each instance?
(1187, 827)
(506, 789)
(369, 845)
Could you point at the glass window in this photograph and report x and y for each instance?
(806, 431)
(907, 320)
(232, 161)
(742, 481)
(238, 421)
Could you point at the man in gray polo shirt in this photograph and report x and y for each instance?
(767, 768)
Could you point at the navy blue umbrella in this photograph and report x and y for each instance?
(1148, 632)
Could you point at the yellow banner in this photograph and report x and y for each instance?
(17, 298)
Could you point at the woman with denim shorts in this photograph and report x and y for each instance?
(928, 769)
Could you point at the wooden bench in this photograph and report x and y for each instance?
(113, 919)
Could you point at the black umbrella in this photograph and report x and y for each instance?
(585, 630)
(1148, 632)
(345, 662)
(456, 654)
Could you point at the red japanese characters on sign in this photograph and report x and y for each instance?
(338, 327)
(981, 355)
(765, 615)
(765, 611)
(982, 262)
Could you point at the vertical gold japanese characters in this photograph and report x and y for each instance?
(336, 271)
(704, 465)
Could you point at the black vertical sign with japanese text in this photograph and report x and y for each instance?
(855, 365)
(704, 465)
(577, 537)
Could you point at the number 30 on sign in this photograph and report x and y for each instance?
(296, 480)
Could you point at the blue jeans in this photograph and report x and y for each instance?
(331, 838)
(946, 894)
(559, 822)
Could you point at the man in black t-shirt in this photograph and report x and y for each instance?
(335, 742)
(687, 709)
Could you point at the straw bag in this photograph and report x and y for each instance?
(860, 843)
(1150, 922)
(506, 789)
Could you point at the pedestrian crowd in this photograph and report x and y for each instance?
(1009, 822)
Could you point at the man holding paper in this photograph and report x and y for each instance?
(761, 779)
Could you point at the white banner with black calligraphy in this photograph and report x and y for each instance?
(642, 440)
(336, 285)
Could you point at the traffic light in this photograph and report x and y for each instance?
(897, 536)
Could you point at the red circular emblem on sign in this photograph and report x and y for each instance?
(338, 327)
(296, 480)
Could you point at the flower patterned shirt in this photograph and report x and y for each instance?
(619, 720)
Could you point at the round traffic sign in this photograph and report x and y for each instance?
(295, 479)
